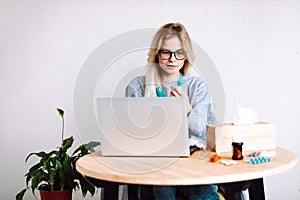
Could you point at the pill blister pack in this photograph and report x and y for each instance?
(258, 160)
(261, 157)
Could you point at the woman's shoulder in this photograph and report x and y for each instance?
(139, 80)
(136, 87)
(196, 81)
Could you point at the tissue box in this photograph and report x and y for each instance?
(258, 136)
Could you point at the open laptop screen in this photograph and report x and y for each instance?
(143, 126)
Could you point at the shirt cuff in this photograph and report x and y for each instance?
(198, 143)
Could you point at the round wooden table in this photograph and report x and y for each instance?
(194, 170)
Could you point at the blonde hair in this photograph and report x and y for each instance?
(170, 30)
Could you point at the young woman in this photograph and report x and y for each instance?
(170, 57)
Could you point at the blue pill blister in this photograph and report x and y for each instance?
(259, 160)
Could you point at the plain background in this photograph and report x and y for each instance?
(255, 46)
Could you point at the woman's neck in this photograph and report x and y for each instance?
(170, 77)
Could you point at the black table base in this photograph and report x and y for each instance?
(231, 191)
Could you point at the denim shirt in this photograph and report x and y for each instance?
(200, 100)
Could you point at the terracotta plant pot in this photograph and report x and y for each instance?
(57, 195)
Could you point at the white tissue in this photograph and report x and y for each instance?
(245, 116)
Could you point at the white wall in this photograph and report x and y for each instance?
(255, 46)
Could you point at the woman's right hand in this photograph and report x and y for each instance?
(178, 91)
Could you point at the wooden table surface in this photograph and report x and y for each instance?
(194, 170)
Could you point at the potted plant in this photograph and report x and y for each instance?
(55, 172)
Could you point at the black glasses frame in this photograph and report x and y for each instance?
(170, 54)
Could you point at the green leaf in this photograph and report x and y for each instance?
(38, 179)
(81, 150)
(91, 145)
(67, 143)
(86, 148)
(51, 176)
(60, 112)
(20, 195)
(43, 155)
(46, 164)
(57, 165)
(85, 185)
(39, 154)
(33, 171)
(61, 175)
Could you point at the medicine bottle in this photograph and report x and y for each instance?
(237, 148)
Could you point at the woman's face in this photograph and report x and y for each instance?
(171, 64)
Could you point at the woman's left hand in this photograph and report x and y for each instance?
(178, 91)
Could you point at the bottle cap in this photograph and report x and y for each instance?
(237, 138)
(160, 92)
(180, 81)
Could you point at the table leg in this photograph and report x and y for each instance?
(111, 190)
(256, 190)
(232, 191)
(132, 193)
(146, 192)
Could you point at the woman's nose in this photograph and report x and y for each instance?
(172, 57)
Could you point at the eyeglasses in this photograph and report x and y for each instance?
(165, 54)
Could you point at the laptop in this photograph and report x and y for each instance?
(143, 126)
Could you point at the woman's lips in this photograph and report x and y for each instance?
(171, 66)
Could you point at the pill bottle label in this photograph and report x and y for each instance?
(237, 151)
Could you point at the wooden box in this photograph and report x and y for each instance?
(259, 136)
